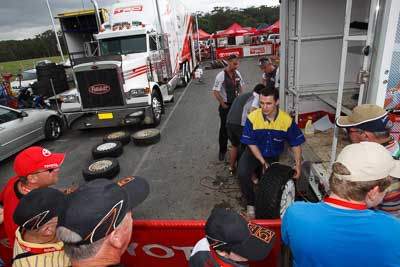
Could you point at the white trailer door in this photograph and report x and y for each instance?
(349, 38)
(384, 47)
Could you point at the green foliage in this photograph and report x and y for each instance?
(221, 18)
(15, 67)
(43, 45)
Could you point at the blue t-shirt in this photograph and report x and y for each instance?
(322, 235)
(270, 136)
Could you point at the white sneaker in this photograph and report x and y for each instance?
(251, 212)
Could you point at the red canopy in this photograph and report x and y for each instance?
(274, 28)
(234, 30)
(203, 35)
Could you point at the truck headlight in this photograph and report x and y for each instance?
(70, 99)
(137, 92)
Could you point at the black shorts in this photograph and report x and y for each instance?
(234, 134)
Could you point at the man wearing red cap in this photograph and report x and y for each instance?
(35, 167)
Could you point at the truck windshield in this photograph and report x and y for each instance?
(28, 75)
(123, 45)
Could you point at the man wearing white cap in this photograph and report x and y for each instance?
(342, 230)
(371, 123)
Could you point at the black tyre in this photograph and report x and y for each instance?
(53, 128)
(156, 107)
(101, 168)
(122, 136)
(276, 192)
(184, 79)
(146, 137)
(111, 149)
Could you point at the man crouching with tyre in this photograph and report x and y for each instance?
(265, 133)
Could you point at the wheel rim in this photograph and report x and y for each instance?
(55, 128)
(156, 107)
(146, 133)
(106, 146)
(288, 196)
(116, 135)
(100, 165)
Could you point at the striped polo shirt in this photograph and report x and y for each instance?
(49, 255)
(270, 136)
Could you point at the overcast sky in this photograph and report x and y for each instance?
(21, 19)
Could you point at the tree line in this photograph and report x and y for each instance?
(220, 18)
(42, 45)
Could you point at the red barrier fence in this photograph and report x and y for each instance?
(166, 243)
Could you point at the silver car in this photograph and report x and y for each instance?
(21, 128)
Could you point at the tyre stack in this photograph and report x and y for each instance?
(105, 163)
(46, 72)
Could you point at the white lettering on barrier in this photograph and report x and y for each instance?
(186, 250)
(131, 249)
(169, 253)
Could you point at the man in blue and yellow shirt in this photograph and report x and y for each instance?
(265, 133)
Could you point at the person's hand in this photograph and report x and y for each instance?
(224, 106)
(70, 189)
(264, 166)
(1, 215)
(297, 171)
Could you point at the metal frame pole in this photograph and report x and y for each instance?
(341, 76)
(55, 31)
(298, 58)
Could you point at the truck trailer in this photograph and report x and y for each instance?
(141, 52)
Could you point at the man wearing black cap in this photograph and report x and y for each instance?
(269, 76)
(371, 123)
(228, 85)
(36, 243)
(96, 226)
(230, 241)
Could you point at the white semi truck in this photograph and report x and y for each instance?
(145, 49)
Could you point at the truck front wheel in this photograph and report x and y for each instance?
(156, 106)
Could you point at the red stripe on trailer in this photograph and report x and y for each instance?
(136, 75)
(186, 44)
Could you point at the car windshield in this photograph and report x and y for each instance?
(123, 45)
(7, 115)
(28, 75)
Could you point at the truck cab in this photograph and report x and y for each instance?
(145, 48)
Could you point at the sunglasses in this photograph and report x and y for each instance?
(349, 131)
(48, 170)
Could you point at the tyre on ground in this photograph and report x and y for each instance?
(122, 136)
(101, 168)
(276, 192)
(111, 149)
(146, 137)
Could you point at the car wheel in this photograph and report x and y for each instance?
(53, 128)
(146, 137)
(122, 136)
(109, 149)
(101, 168)
(156, 108)
(276, 192)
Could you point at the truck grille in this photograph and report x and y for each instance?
(99, 88)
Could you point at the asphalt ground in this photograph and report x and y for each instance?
(186, 179)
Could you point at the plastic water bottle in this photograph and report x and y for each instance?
(309, 129)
